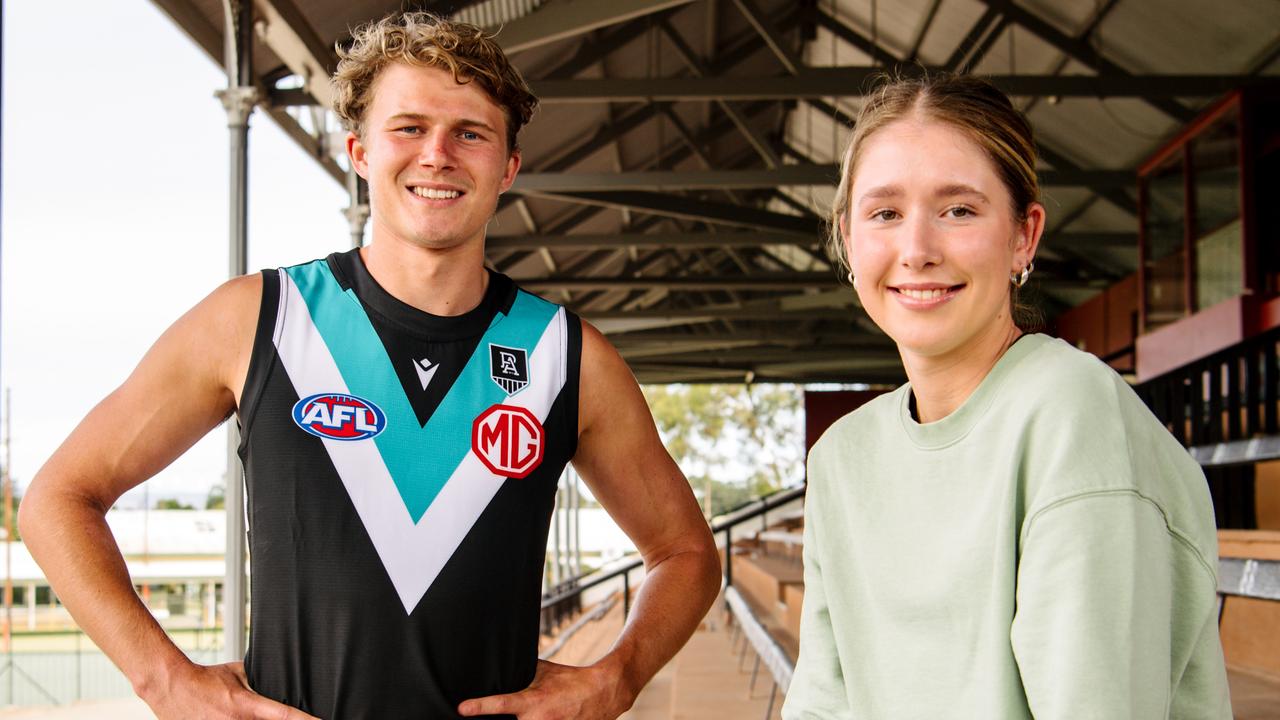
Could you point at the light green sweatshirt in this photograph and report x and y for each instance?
(1048, 550)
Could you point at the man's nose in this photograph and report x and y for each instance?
(436, 151)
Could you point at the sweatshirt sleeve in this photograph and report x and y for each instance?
(1102, 582)
(817, 689)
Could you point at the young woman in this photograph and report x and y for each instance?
(1011, 534)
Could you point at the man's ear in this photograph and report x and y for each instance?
(513, 168)
(357, 154)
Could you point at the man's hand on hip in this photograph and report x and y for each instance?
(560, 692)
(217, 691)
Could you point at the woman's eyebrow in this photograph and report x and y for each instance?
(955, 189)
(880, 192)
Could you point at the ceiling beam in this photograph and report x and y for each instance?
(209, 38)
(192, 22)
(767, 33)
(775, 335)
(837, 27)
(692, 209)
(1088, 240)
(755, 281)
(593, 50)
(1114, 194)
(925, 25)
(568, 18)
(709, 314)
(647, 240)
(980, 28)
(1086, 54)
(770, 355)
(443, 8)
(820, 82)
(761, 144)
(670, 156)
(1099, 15)
(784, 176)
(282, 27)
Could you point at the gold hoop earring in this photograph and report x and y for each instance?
(852, 280)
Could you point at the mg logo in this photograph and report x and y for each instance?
(508, 440)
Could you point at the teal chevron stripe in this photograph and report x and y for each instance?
(419, 459)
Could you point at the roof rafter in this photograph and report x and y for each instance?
(755, 281)
(850, 81)
(691, 209)
(1084, 53)
(806, 174)
(567, 18)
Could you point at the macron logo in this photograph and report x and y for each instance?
(426, 370)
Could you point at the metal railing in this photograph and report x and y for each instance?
(1220, 405)
(1249, 577)
(565, 598)
(767, 649)
(60, 667)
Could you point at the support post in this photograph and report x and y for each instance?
(556, 508)
(30, 596)
(626, 595)
(239, 99)
(358, 211)
(728, 556)
(8, 534)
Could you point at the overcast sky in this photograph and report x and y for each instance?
(115, 211)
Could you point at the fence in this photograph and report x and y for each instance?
(61, 667)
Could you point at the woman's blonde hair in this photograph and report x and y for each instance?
(973, 106)
(426, 40)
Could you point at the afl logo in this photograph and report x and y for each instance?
(339, 417)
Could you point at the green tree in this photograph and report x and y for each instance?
(13, 510)
(172, 504)
(217, 499)
(734, 442)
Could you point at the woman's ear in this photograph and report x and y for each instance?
(1027, 240)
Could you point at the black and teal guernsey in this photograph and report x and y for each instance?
(401, 471)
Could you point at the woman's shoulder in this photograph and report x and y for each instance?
(1059, 366)
(1088, 432)
(1070, 385)
(857, 427)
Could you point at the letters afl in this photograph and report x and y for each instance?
(339, 417)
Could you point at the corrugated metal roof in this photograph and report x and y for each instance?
(640, 284)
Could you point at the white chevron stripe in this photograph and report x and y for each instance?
(412, 553)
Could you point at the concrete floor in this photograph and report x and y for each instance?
(708, 680)
(129, 709)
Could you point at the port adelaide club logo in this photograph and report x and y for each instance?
(508, 439)
(509, 367)
(336, 416)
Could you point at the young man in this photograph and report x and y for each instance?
(405, 415)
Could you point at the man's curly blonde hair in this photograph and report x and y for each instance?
(426, 40)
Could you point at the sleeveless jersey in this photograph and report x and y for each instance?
(401, 471)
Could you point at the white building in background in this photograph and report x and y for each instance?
(176, 559)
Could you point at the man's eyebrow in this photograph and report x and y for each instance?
(420, 117)
(476, 124)
(416, 117)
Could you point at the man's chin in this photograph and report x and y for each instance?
(444, 242)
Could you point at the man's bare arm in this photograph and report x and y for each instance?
(187, 384)
(623, 461)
